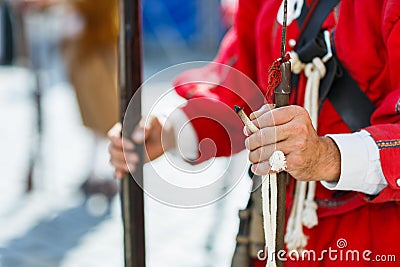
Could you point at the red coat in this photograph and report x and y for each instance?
(367, 38)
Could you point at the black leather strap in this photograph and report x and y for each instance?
(309, 34)
(350, 102)
(313, 27)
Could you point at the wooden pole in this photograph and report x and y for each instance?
(130, 80)
(282, 93)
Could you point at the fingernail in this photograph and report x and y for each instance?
(246, 143)
(138, 136)
(245, 131)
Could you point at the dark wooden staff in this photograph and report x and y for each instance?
(130, 80)
(282, 93)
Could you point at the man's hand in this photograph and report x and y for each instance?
(158, 138)
(289, 129)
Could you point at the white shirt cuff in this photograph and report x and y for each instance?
(185, 136)
(360, 164)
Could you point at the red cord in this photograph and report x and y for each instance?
(275, 77)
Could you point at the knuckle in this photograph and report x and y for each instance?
(300, 144)
(300, 111)
(299, 128)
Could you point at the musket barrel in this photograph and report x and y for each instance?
(130, 80)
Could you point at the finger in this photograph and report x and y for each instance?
(116, 142)
(121, 143)
(246, 131)
(265, 108)
(120, 165)
(114, 135)
(279, 116)
(132, 158)
(127, 144)
(115, 130)
(261, 154)
(262, 168)
(118, 154)
(119, 174)
(267, 136)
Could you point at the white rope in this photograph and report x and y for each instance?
(270, 234)
(304, 210)
(269, 192)
(310, 218)
(296, 240)
(292, 216)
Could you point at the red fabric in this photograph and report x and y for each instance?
(367, 38)
(365, 228)
(212, 92)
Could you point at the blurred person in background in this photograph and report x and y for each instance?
(89, 48)
(90, 52)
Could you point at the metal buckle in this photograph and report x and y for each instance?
(329, 54)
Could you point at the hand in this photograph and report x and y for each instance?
(289, 129)
(158, 138)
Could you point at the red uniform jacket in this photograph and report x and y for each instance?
(367, 41)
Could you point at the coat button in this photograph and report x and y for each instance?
(398, 182)
(292, 43)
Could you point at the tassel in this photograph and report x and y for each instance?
(310, 217)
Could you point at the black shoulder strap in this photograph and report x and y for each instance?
(313, 27)
(350, 102)
(353, 105)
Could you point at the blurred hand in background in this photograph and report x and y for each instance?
(156, 134)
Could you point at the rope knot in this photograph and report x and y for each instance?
(277, 161)
(316, 67)
(297, 65)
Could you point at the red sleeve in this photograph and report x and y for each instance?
(213, 90)
(385, 127)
